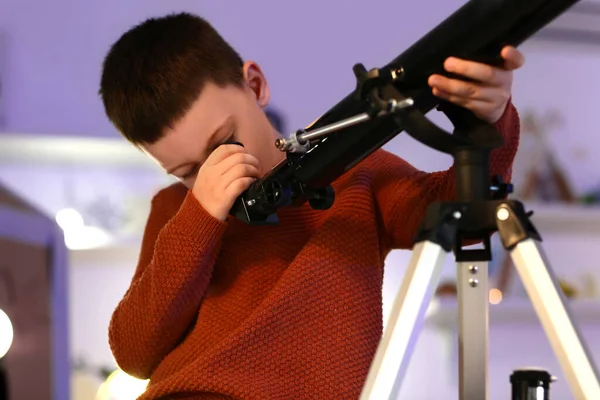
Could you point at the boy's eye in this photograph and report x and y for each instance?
(230, 140)
(195, 168)
(191, 172)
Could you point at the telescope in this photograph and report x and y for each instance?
(394, 99)
(388, 101)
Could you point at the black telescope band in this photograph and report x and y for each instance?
(477, 31)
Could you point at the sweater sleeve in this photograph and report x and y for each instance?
(403, 193)
(175, 265)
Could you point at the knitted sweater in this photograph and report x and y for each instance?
(224, 310)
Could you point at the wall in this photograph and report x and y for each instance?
(308, 62)
(557, 76)
(309, 71)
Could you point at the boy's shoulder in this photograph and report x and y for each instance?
(382, 161)
(380, 166)
(170, 198)
(382, 155)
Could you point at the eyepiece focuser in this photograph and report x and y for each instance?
(295, 144)
(300, 140)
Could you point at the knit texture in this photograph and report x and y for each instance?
(224, 310)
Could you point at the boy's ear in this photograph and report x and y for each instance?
(257, 82)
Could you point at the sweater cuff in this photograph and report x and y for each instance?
(194, 222)
(506, 116)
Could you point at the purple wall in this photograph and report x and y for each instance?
(53, 50)
(51, 54)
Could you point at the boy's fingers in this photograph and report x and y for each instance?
(513, 58)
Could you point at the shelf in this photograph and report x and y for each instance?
(548, 219)
(73, 150)
(565, 218)
(118, 253)
(443, 312)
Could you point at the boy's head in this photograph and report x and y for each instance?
(175, 88)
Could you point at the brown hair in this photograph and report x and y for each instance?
(153, 74)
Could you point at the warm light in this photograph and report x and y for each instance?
(78, 236)
(495, 296)
(6, 333)
(69, 218)
(85, 384)
(86, 237)
(120, 386)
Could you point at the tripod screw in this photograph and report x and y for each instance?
(473, 269)
(499, 188)
(473, 282)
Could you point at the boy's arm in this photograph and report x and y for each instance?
(176, 262)
(403, 192)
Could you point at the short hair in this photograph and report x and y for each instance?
(154, 72)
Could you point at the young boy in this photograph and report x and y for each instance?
(221, 309)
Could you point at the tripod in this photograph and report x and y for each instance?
(480, 210)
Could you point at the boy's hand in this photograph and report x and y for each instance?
(227, 172)
(488, 95)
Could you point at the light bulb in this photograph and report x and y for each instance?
(495, 296)
(86, 237)
(6, 333)
(121, 386)
(69, 219)
(78, 236)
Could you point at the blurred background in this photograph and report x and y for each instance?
(74, 196)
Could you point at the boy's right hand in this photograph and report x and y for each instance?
(227, 173)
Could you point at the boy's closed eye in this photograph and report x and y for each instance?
(231, 141)
(193, 171)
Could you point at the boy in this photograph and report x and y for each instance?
(220, 309)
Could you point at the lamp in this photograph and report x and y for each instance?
(121, 386)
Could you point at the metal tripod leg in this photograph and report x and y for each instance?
(550, 305)
(405, 322)
(552, 309)
(473, 330)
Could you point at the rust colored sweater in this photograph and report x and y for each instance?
(220, 309)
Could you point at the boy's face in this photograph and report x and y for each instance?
(220, 114)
